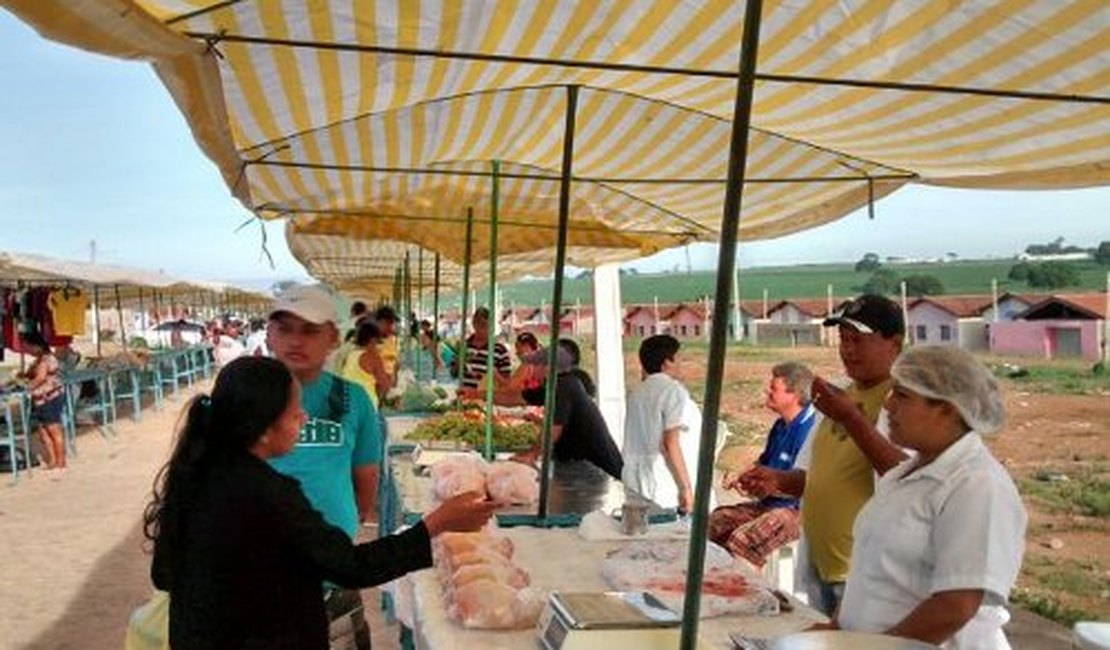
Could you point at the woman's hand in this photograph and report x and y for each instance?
(462, 513)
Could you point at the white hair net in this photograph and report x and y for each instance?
(952, 375)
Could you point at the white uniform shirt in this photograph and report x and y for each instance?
(658, 404)
(956, 523)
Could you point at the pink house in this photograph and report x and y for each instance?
(948, 320)
(639, 320)
(1060, 326)
(687, 321)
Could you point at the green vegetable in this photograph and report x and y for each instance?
(457, 428)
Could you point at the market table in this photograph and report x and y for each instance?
(558, 559)
(14, 401)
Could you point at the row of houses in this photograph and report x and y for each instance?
(1061, 325)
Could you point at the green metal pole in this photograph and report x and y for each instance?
(143, 323)
(435, 312)
(491, 368)
(465, 294)
(557, 298)
(420, 308)
(119, 315)
(718, 340)
(407, 284)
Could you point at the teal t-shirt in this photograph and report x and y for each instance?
(327, 451)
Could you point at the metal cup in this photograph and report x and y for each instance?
(634, 518)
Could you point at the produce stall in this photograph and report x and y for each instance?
(577, 488)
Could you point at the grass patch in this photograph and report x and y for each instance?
(1049, 607)
(1086, 492)
(1063, 378)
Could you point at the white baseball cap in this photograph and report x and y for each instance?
(312, 303)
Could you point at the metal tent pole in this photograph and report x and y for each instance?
(494, 317)
(119, 315)
(465, 294)
(406, 315)
(420, 310)
(557, 298)
(718, 341)
(143, 323)
(435, 312)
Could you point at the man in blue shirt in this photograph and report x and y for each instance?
(339, 452)
(752, 530)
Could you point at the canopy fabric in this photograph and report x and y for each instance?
(368, 267)
(329, 108)
(127, 281)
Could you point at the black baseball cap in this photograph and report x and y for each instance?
(870, 314)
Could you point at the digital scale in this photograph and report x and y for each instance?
(611, 620)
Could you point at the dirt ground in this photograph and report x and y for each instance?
(73, 565)
(1062, 436)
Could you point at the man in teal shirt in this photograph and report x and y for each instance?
(339, 453)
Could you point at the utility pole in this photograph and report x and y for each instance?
(92, 251)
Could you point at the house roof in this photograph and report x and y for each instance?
(697, 309)
(1086, 305)
(961, 306)
(812, 307)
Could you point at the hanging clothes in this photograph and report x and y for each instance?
(67, 310)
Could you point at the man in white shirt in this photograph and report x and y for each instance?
(662, 429)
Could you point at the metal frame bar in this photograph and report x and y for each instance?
(475, 173)
(465, 296)
(515, 224)
(546, 467)
(718, 339)
(215, 37)
(494, 317)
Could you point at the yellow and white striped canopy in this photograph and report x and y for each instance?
(368, 267)
(390, 110)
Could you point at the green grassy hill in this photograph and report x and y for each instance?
(803, 281)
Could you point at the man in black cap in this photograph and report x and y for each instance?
(835, 471)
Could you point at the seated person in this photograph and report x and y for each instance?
(753, 530)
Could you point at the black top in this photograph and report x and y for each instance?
(585, 435)
(248, 566)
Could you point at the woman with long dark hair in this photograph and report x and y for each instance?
(236, 544)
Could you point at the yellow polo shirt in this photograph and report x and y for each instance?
(839, 480)
(390, 352)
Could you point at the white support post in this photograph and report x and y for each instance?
(608, 328)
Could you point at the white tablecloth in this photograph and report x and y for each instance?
(559, 559)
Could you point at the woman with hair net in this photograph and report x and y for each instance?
(939, 546)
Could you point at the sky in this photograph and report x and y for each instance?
(92, 149)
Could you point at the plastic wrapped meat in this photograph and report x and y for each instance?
(452, 563)
(513, 483)
(458, 474)
(491, 605)
(660, 567)
(506, 574)
(455, 543)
